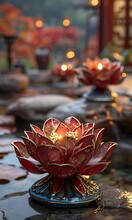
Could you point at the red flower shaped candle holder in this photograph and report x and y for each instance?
(67, 153)
(100, 73)
(64, 71)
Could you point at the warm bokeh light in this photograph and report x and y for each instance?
(39, 23)
(100, 66)
(66, 22)
(63, 67)
(94, 2)
(118, 56)
(124, 74)
(70, 54)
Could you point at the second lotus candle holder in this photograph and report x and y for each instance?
(100, 73)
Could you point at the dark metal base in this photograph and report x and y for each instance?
(68, 196)
(96, 94)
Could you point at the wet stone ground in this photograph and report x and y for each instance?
(117, 205)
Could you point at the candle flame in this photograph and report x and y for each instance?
(54, 137)
(59, 137)
(100, 66)
(63, 67)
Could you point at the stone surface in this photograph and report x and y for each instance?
(39, 77)
(10, 172)
(109, 115)
(117, 206)
(13, 82)
(36, 106)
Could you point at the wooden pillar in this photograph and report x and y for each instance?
(105, 23)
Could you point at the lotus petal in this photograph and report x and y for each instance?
(36, 129)
(82, 156)
(62, 129)
(111, 146)
(78, 132)
(88, 73)
(66, 145)
(88, 80)
(29, 135)
(42, 140)
(84, 142)
(78, 70)
(92, 170)
(54, 155)
(38, 139)
(70, 145)
(31, 147)
(88, 128)
(103, 152)
(72, 123)
(44, 180)
(48, 154)
(20, 149)
(61, 144)
(50, 125)
(56, 185)
(63, 170)
(116, 76)
(98, 133)
(31, 167)
(78, 184)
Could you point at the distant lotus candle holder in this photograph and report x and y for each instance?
(68, 153)
(65, 71)
(100, 73)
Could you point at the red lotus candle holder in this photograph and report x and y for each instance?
(100, 73)
(67, 153)
(64, 71)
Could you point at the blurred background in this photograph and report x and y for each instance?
(36, 24)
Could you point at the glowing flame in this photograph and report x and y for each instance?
(66, 22)
(59, 137)
(70, 54)
(100, 66)
(63, 67)
(54, 137)
(39, 23)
